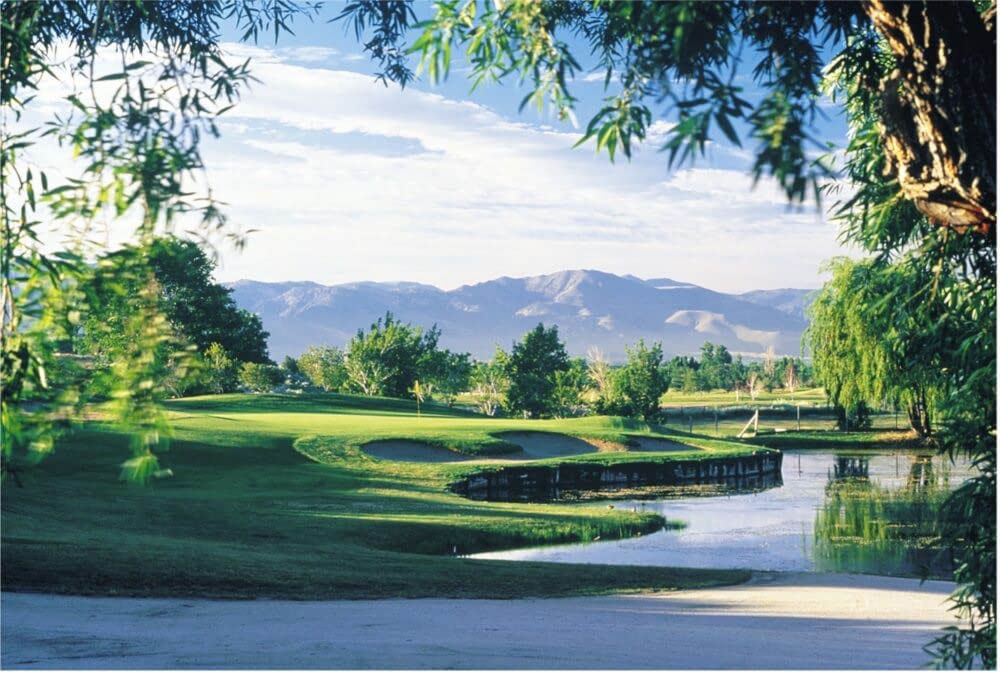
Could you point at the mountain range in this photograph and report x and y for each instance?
(591, 308)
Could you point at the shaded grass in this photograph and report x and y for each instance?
(247, 515)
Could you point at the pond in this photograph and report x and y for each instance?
(871, 513)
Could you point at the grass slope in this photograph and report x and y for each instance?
(248, 514)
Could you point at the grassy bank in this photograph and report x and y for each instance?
(249, 514)
(838, 440)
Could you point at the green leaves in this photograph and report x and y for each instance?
(532, 368)
(618, 125)
(387, 359)
(138, 139)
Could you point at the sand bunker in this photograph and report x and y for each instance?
(650, 444)
(411, 451)
(541, 445)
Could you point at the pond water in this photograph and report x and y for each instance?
(871, 513)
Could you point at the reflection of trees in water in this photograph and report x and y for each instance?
(864, 527)
(922, 475)
(847, 466)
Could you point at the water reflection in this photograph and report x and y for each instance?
(850, 467)
(871, 513)
(542, 492)
(865, 527)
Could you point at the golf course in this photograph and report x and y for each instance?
(330, 498)
(276, 496)
(498, 335)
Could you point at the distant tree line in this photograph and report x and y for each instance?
(717, 369)
(536, 377)
(207, 345)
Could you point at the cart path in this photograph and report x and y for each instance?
(796, 620)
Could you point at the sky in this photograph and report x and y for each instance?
(344, 179)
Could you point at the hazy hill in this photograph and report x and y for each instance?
(590, 308)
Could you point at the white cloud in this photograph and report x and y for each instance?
(346, 179)
(598, 76)
(308, 54)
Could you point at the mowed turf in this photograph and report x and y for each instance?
(272, 496)
(815, 396)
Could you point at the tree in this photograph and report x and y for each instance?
(450, 374)
(567, 396)
(641, 383)
(489, 382)
(755, 383)
(387, 359)
(532, 368)
(203, 311)
(791, 378)
(771, 372)
(199, 311)
(137, 133)
(918, 82)
(260, 377)
(601, 377)
(325, 367)
(290, 365)
(690, 384)
(219, 370)
(864, 351)
(715, 368)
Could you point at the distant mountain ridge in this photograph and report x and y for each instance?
(591, 308)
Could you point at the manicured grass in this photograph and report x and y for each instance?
(838, 440)
(247, 513)
(804, 397)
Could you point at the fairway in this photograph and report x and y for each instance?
(275, 496)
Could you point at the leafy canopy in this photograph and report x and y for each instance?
(533, 366)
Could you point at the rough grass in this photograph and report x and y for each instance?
(272, 497)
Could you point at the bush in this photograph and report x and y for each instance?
(260, 377)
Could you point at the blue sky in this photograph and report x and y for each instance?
(344, 179)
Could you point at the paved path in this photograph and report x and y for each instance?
(776, 621)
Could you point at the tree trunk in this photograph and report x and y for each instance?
(916, 420)
(939, 118)
(925, 414)
(841, 413)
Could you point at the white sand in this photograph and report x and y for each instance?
(542, 445)
(651, 444)
(795, 620)
(411, 451)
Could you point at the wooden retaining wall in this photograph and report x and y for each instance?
(543, 483)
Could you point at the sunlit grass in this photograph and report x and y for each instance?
(247, 514)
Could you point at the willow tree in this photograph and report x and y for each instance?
(143, 83)
(868, 352)
(918, 80)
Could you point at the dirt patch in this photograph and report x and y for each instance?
(651, 444)
(542, 445)
(411, 451)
